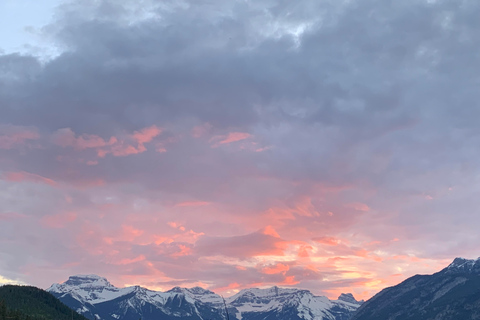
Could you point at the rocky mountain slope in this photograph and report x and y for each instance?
(95, 297)
(451, 294)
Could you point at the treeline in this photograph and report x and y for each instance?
(31, 303)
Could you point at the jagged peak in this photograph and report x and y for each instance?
(199, 290)
(460, 264)
(192, 291)
(348, 297)
(268, 292)
(177, 290)
(92, 280)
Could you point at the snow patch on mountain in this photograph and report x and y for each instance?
(463, 265)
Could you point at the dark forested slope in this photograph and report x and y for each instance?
(30, 303)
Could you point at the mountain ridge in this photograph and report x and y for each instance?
(95, 297)
(452, 293)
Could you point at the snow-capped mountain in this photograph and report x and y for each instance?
(279, 303)
(95, 297)
(451, 294)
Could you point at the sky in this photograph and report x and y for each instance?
(325, 145)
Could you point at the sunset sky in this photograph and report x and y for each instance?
(328, 145)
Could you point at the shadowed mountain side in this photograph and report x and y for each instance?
(451, 294)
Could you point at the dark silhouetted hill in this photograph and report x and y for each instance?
(31, 303)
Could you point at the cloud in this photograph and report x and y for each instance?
(364, 113)
(12, 136)
(254, 244)
(25, 176)
(118, 147)
(229, 138)
(58, 220)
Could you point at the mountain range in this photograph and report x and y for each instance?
(450, 294)
(96, 298)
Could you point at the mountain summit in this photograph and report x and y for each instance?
(451, 294)
(96, 298)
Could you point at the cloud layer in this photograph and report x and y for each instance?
(329, 145)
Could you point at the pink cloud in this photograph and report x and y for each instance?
(147, 134)
(269, 230)
(22, 176)
(358, 206)
(331, 241)
(130, 261)
(119, 147)
(278, 268)
(176, 225)
(57, 221)
(304, 251)
(250, 245)
(192, 204)
(11, 216)
(129, 233)
(66, 138)
(229, 138)
(12, 136)
(200, 131)
(183, 251)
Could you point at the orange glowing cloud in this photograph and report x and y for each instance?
(330, 241)
(269, 230)
(231, 286)
(303, 251)
(28, 177)
(290, 281)
(278, 268)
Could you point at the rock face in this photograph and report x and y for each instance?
(451, 294)
(95, 297)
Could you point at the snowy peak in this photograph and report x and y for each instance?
(88, 288)
(283, 303)
(348, 297)
(273, 292)
(198, 294)
(463, 265)
(95, 297)
(199, 290)
(90, 280)
(194, 290)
